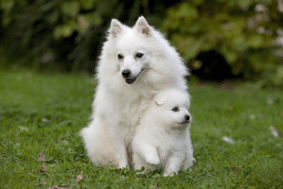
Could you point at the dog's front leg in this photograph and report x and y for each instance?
(122, 155)
(119, 138)
(121, 150)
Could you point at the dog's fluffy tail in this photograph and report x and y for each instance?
(99, 145)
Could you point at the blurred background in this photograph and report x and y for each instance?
(218, 39)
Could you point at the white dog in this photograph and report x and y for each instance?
(135, 64)
(163, 139)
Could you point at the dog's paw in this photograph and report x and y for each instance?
(123, 165)
(194, 161)
(170, 174)
(154, 160)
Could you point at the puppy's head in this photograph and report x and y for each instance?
(172, 106)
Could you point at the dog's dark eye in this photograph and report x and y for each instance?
(120, 57)
(139, 55)
(175, 109)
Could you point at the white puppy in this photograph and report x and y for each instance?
(163, 139)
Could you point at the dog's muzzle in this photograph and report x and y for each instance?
(127, 76)
(187, 120)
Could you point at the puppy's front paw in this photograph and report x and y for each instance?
(194, 161)
(154, 160)
(168, 173)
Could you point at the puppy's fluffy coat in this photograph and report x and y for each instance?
(163, 139)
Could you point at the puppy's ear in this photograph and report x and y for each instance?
(159, 102)
(160, 98)
(143, 27)
(115, 28)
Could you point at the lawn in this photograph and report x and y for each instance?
(41, 115)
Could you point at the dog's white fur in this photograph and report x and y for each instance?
(120, 102)
(162, 140)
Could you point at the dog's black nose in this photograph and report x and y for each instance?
(126, 73)
(187, 117)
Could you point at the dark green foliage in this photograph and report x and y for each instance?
(241, 31)
(64, 35)
(53, 33)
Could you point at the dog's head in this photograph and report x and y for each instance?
(132, 51)
(172, 105)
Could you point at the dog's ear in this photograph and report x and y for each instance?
(143, 27)
(115, 28)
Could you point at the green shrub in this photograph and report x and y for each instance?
(51, 33)
(65, 34)
(57, 33)
(241, 31)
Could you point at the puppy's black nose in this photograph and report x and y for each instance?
(187, 117)
(126, 73)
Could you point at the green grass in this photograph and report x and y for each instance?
(44, 113)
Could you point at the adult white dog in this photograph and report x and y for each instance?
(134, 65)
(162, 140)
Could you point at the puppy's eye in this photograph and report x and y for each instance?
(175, 109)
(120, 57)
(139, 55)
